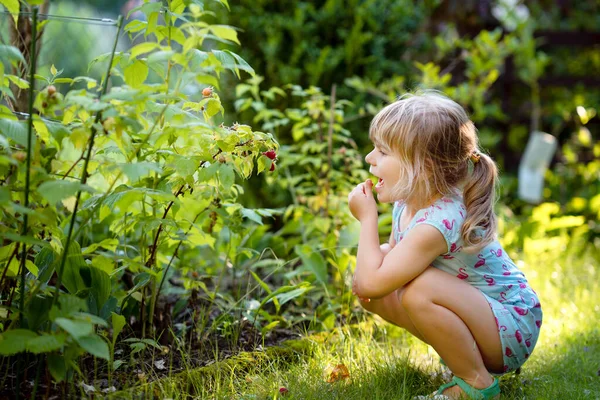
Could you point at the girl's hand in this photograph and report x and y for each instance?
(361, 201)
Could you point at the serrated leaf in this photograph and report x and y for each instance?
(142, 48)
(252, 215)
(138, 170)
(136, 73)
(55, 191)
(15, 341)
(225, 32)
(226, 175)
(177, 6)
(46, 343)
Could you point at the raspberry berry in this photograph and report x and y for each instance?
(271, 154)
(206, 92)
(51, 90)
(20, 156)
(272, 167)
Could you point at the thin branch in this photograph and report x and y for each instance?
(152, 257)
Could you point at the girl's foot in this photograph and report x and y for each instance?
(459, 389)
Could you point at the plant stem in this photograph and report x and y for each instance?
(152, 260)
(32, 66)
(329, 148)
(84, 174)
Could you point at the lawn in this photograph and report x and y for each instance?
(384, 362)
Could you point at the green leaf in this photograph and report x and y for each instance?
(46, 343)
(15, 341)
(276, 295)
(143, 48)
(94, 345)
(292, 294)
(138, 170)
(136, 73)
(108, 244)
(13, 7)
(118, 322)
(15, 130)
(177, 6)
(71, 274)
(19, 82)
(13, 237)
(77, 329)
(55, 191)
(313, 260)
(261, 282)
(226, 175)
(99, 284)
(252, 215)
(213, 107)
(225, 32)
(57, 367)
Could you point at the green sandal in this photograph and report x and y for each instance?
(475, 394)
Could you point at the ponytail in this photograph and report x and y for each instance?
(479, 228)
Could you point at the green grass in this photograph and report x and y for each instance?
(384, 362)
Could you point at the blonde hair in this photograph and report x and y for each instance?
(434, 140)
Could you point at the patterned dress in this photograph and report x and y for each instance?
(514, 303)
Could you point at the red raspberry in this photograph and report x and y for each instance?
(271, 154)
(207, 91)
(272, 167)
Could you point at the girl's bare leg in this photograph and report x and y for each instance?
(390, 308)
(457, 321)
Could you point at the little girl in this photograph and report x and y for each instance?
(443, 276)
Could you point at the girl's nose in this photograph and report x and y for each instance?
(369, 158)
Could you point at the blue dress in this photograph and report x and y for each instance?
(514, 303)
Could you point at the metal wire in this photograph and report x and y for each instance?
(81, 20)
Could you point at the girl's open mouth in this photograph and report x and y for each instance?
(379, 184)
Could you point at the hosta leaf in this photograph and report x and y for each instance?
(15, 130)
(76, 329)
(57, 367)
(118, 322)
(94, 345)
(74, 262)
(11, 53)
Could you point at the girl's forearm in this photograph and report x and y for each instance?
(369, 256)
